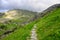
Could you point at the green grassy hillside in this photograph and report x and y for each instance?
(21, 33)
(48, 28)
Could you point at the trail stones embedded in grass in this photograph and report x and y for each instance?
(33, 33)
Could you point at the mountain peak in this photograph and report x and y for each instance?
(52, 8)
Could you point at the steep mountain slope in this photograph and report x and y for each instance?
(50, 9)
(15, 19)
(48, 28)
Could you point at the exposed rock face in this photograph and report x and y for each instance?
(11, 14)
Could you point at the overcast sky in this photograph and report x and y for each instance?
(33, 5)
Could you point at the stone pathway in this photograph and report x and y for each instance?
(33, 33)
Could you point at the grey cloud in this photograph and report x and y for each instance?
(33, 5)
